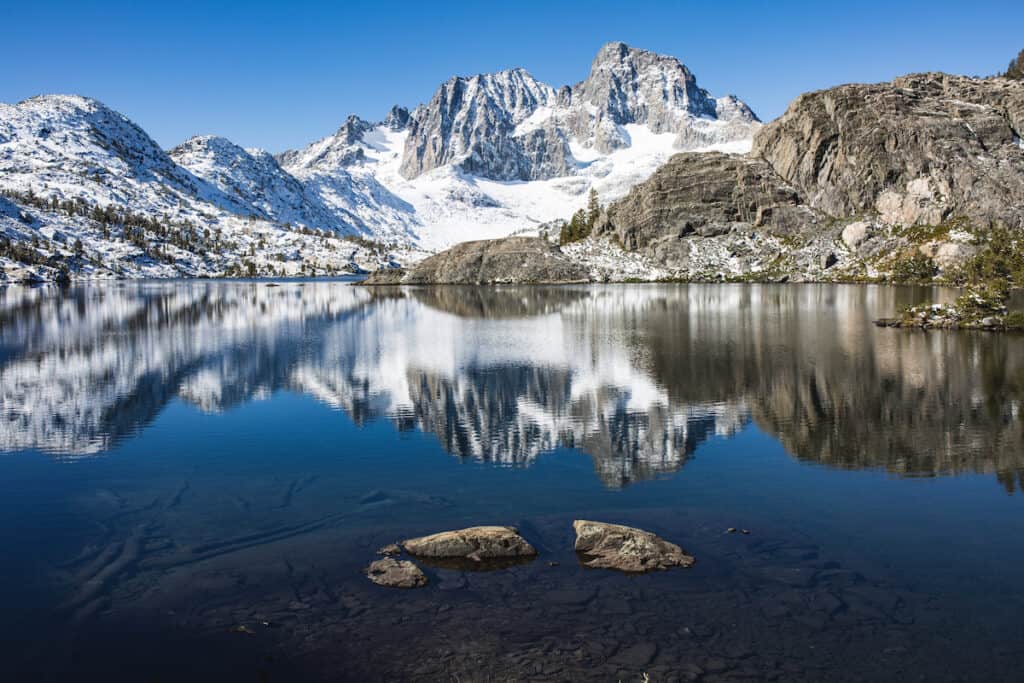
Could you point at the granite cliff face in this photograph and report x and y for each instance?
(627, 86)
(509, 126)
(848, 183)
(916, 151)
(473, 121)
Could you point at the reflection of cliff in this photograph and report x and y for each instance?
(636, 377)
(498, 302)
(835, 390)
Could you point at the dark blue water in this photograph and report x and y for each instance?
(192, 476)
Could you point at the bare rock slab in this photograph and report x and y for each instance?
(625, 548)
(396, 573)
(505, 261)
(476, 543)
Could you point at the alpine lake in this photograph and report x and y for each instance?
(194, 475)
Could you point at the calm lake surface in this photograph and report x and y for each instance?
(193, 475)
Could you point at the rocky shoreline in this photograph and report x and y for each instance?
(510, 260)
(976, 309)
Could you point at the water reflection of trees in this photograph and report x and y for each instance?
(637, 377)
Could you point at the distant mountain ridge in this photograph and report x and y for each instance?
(489, 155)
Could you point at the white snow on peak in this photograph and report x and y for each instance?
(607, 133)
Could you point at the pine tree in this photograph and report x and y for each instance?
(1016, 68)
(593, 208)
(576, 229)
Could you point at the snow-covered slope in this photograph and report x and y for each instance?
(67, 146)
(488, 156)
(254, 179)
(495, 154)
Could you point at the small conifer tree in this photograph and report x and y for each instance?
(1016, 68)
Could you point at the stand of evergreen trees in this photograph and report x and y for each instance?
(1016, 68)
(582, 222)
(151, 235)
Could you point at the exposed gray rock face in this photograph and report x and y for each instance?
(476, 543)
(855, 167)
(512, 260)
(703, 195)
(854, 234)
(397, 118)
(916, 151)
(509, 126)
(396, 573)
(627, 85)
(625, 548)
(472, 122)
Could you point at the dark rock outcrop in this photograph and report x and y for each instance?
(386, 276)
(512, 260)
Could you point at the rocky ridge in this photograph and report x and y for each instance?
(416, 180)
(509, 126)
(512, 260)
(854, 182)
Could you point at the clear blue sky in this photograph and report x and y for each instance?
(278, 75)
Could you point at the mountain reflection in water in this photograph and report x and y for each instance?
(635, 376)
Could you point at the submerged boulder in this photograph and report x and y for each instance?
(625, 548)
(476, 543)
(396, 573)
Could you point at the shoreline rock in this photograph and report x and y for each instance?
(979, 308)
(477, 544)
(510, 260)
(626, 549)
(396, 573)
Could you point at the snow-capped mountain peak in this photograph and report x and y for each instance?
(488, 155)
(509, 126)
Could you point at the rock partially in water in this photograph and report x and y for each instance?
(390, 550)
(512, 260)
(476, 543)
(627, 549)
(396, 573)
(385, 276)
(978, 308)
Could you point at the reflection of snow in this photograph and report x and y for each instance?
(494, 389)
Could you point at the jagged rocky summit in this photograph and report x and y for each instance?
(509, 126)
